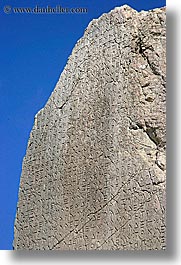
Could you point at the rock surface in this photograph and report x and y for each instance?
(94, 173)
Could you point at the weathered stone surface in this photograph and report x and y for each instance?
(94, 173)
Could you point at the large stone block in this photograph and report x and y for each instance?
(94, 172)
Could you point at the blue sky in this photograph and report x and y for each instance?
(33, 52)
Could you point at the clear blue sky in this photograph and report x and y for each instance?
(33, 52)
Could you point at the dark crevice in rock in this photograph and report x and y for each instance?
(160, 166)
(157, 183)
(63, 104)
(134, 125)
(142, 50)
(149, 99)
(150, 131)
(146, 84)
(159, 163)
(68, 97)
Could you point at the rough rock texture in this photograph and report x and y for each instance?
(94, 173)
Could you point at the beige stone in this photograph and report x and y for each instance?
(94, 172)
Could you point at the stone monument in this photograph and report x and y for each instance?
(93, 177)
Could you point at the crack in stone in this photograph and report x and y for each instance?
(150, 131)
(142, 50)
(93, 213)
(148, 200)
